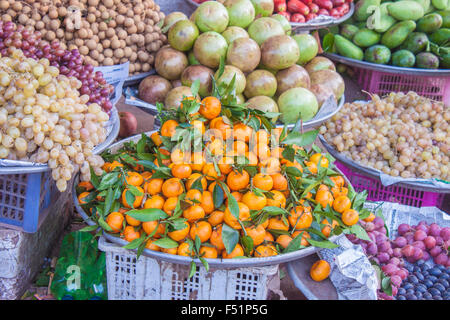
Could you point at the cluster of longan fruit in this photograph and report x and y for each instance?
(110, 31)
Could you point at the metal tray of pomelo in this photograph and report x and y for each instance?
(217, 263)
(328, 109)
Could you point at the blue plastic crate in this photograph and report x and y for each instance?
(24, 199)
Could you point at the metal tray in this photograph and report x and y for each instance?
(219, 263)
(374, 173)
(132, 80)
(318, 23)
(322, 21)
(298, 271)
(387, 68)
(130, 98)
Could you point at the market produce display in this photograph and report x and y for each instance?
(47, 115)
(412, 263)
(211, 184)
(303, 11)
(406, 33)
(105, 32)
(69, 63)
(272, 71)
(403, 135)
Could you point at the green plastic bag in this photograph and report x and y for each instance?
(80, 270)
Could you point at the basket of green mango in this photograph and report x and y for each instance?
(403, 34)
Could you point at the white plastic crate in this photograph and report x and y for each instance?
(151, 279)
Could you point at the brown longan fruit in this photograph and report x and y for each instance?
(23, 19)
(53, 13)
(115, 44)
(108, 3)
(84, 50)
(102, 26)
(127, 52)
(120, 19)
(108, 62)
(110, 33)
(91, 18)
(94, 54)
(68, 36)
(60, 34)
(91, 44)
(106, 43)
(17, 6)
(128, 22)
(112, 23)
(146, 67)
(119, 53)
(122, 34)
(79, 42)
(54, 24)
(82, 33)
(4, 5)
(39, 25)
(62, 11)
(132, 29)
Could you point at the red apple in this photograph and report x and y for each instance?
(128, 124)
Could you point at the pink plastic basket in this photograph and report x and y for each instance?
(399, 194)
(382, 83)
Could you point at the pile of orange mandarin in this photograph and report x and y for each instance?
(159, 196)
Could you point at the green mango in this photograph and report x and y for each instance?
(441, 4)
(366, 38)
(378, 54)
(431, 9)
(360, 24)
(441, 36)
(403, 58)
(385, 22)
(445, 18)
(429, 23)
(347, 49)
(425, 4)
(361, 12)
(398, 33)
(445, 61)
(406, 10)
(416, 42)
(348, 31)
(427, 60)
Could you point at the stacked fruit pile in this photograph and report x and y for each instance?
(69, 63)
(403, 135)
(105, 32)
(245, 189)
(425, 283)
(405, 33)
(414, 244)
(44, 118)
(262, 60)
(303, 11)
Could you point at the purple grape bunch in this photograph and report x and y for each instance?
(412, 244)
(382, 251)
(423, 242)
